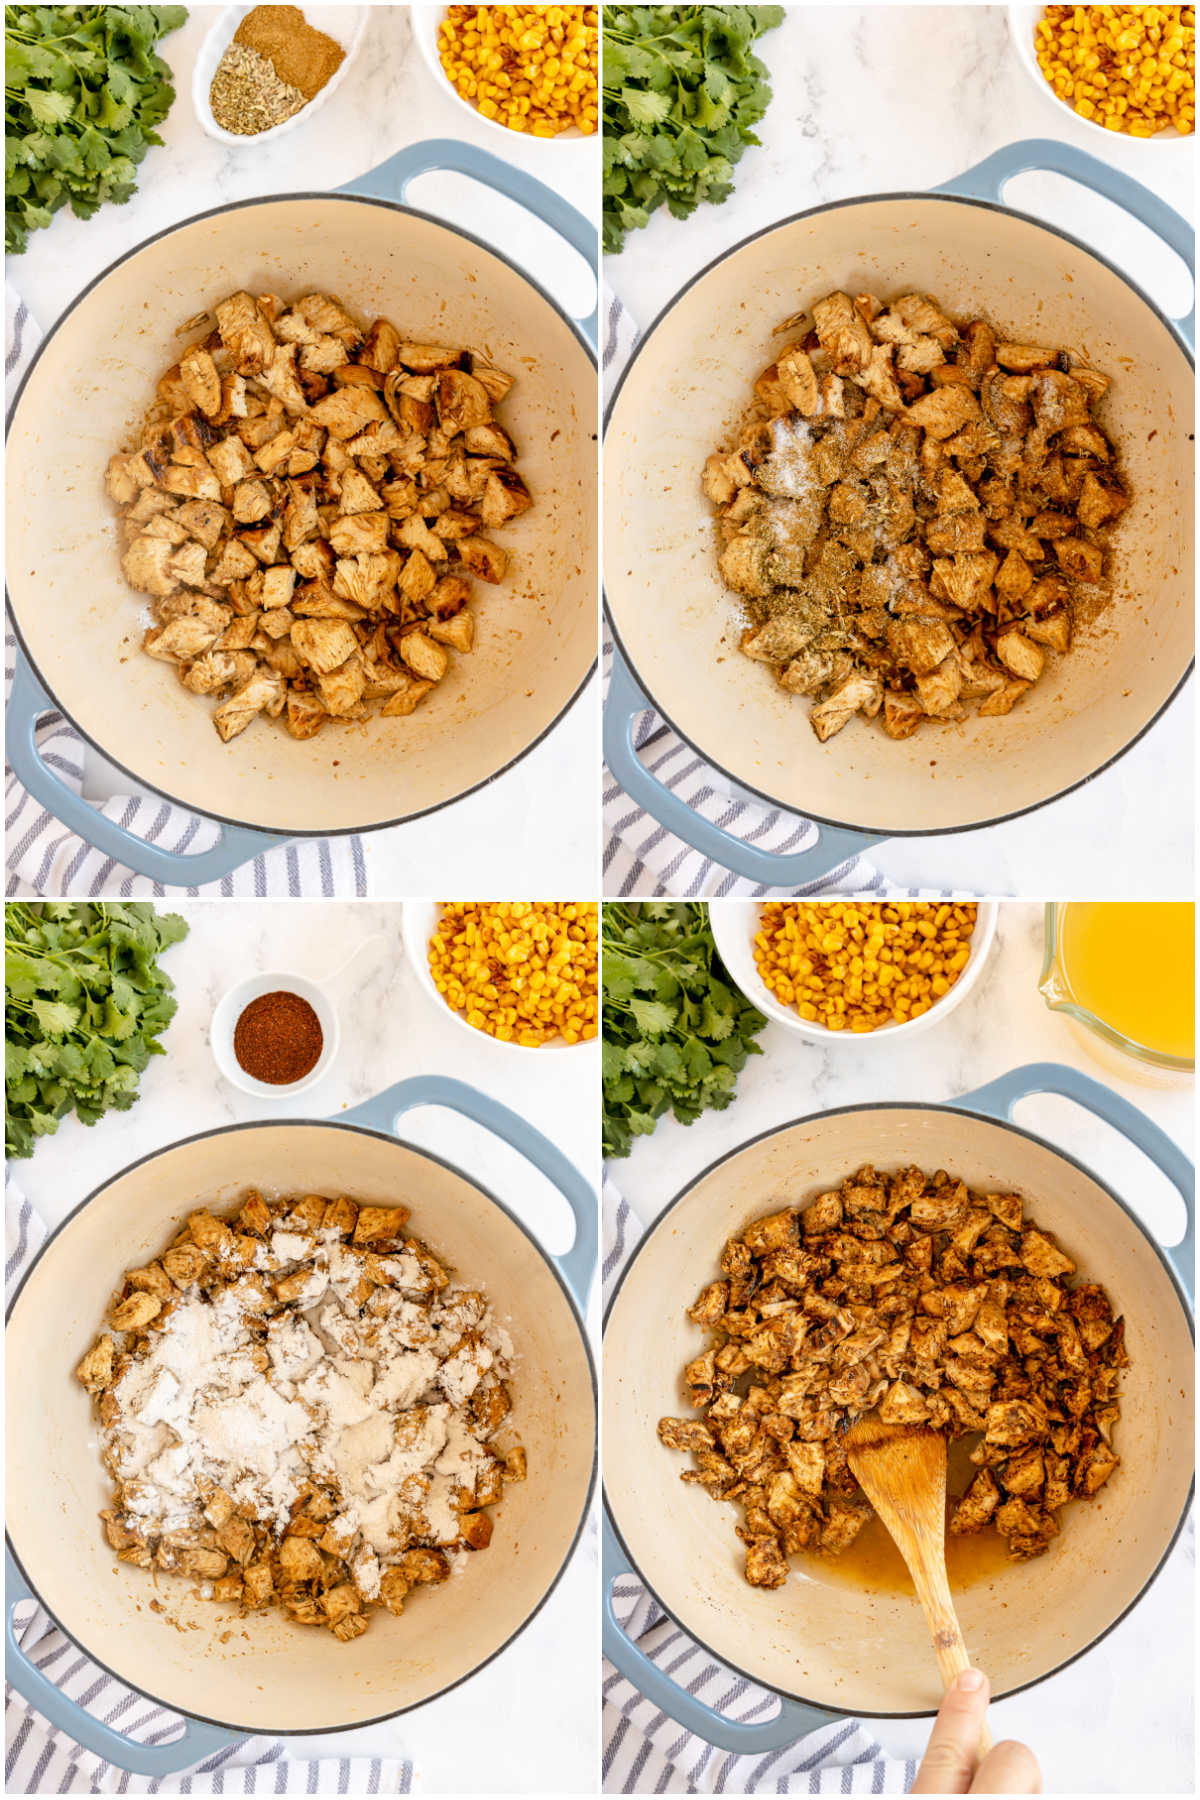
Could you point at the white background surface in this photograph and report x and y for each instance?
(1120, 1720)
(878, 99)
(538, 826)
(529, 1721)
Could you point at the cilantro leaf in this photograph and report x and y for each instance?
(675, 1029)
(83, 91)
(85, 1005)
(682, 93)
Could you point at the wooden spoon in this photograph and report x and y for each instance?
(902, 1471)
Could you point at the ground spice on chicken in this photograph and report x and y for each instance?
(278, 1038)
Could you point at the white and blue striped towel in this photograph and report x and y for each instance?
(44, 858)
(647, 1753)
(42, 1760)
(643, 859)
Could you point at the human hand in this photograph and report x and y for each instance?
(951, 1762)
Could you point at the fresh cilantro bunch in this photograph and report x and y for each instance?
(682, 90)
(676, 1030)
(83, 91)
(85, 1003)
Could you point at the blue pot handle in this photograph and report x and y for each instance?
(390, 181)
(198, 1740)
(27, 701)
(380, 1114)
(999, 1098)
(987, 180)
(768, 867)
(794, 1720)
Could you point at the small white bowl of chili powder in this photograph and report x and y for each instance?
(274, 1035)
(262, 70)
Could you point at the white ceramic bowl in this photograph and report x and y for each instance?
(425, 23)
(420, 917)
(347, 27)
(230, 1009)
(734, 923)
(1021, 23)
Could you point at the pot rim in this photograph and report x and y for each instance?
(982, 1118)
(577, 1319)
(213, 212)
(811, 212)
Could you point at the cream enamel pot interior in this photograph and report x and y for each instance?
(272, 1676)
(676, 626)
(80, 625)
(832, 1649)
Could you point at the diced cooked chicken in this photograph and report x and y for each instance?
(325, 644)
(878, 379)
(1022, 358)
(356, 534)
(320, 479)
(246, 334)
(200, 380)
(802, 1340)
(920, 643)
(349, 410)
(305, 714)
(147, 565)
(1080, 559)
(426, 658)
(263, 691)
(858, 693)
(458, 632)
(252, 501)
(341, 688)
(943, 411)
(843, 333)
(1019, 654)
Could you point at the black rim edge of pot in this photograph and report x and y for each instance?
(576, 1315)
(213, 212)
(982, 1118)
(810, 212)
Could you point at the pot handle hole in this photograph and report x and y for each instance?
(833, 850)
(381, 1113)
(743, 1737)
(27, 702)
(198, 1740)
(391, 181)
(1001, 1096)
(987, 180)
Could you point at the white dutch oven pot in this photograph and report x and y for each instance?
(271, 1676)
(675, 625)
(832, 1650)
(80, 626)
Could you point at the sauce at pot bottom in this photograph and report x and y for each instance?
(873, 1563)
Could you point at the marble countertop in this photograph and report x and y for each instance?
(1140, 1678)
(543, 1688)
(389, 99)
(885, 98)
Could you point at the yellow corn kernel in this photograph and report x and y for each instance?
(912, 954)
(534, 69)
(1131, 69)
(521, 972)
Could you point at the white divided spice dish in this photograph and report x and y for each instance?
(345, 24)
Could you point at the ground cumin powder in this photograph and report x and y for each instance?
(302, 57)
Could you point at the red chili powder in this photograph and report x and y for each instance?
(278, 1038)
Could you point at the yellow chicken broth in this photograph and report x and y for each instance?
(1133, 964)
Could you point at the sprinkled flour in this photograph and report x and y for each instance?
(314, 1401)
